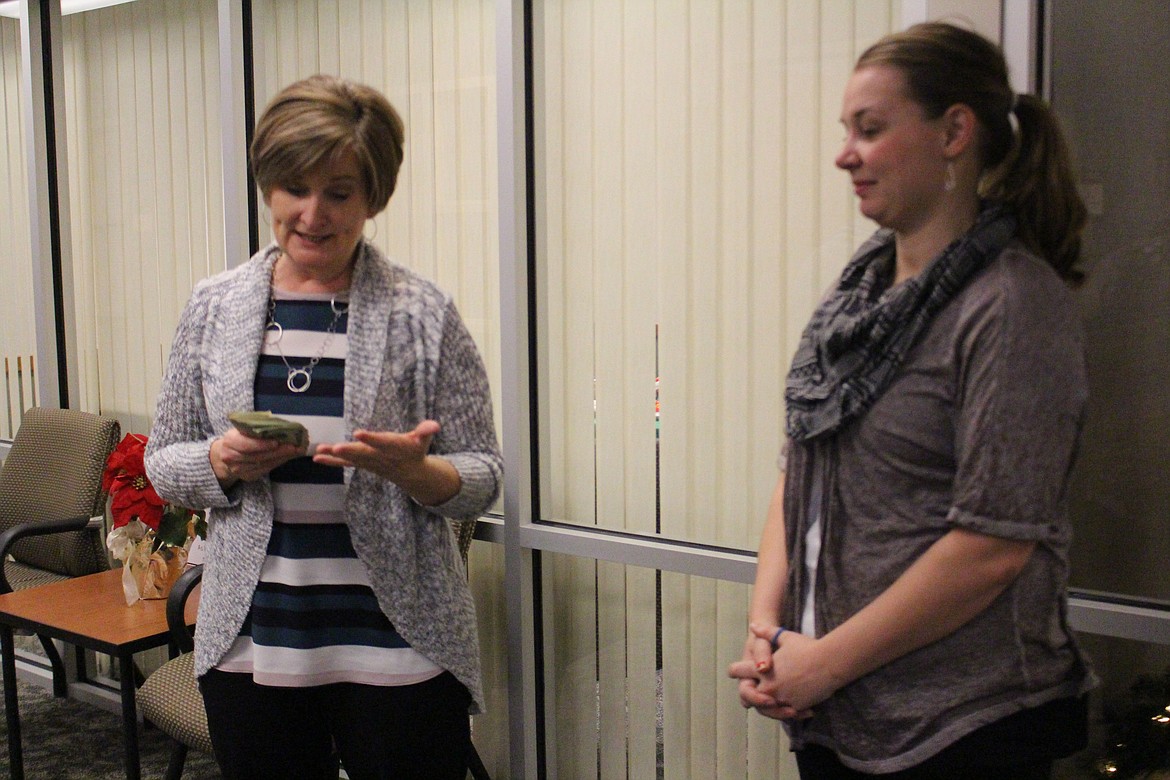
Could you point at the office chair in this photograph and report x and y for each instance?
(169, 698)
(52, 505)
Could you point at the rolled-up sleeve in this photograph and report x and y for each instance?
(1021, 406)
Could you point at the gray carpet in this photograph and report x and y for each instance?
(71, 740)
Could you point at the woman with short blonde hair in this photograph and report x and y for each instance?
(335, 621)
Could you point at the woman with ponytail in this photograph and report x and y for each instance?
(909, 612)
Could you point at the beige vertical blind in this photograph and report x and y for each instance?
(435, 61)
(18, 336)
(690, 216)
(146, 203)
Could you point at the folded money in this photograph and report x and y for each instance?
(266, 425)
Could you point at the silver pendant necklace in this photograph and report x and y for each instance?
(300, 379)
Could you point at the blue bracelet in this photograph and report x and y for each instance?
(776, 639)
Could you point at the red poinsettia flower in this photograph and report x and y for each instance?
(132, 495)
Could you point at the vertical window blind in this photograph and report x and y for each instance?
(145, 189)
(689, 218)
(17, 337)
(435, 61)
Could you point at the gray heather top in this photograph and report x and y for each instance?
(410, 358)
(978, 430)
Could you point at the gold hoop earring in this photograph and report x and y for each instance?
(950, 183)
(373, 221)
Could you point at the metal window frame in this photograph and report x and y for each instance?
(48, 201)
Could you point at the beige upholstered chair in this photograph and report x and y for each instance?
(464, 535)
(170, 697)
(50, 488)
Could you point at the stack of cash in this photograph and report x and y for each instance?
(266, 425)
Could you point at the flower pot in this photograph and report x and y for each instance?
(154, 573)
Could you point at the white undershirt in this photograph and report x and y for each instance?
(812, 554)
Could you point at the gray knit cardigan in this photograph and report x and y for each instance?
(410, 358)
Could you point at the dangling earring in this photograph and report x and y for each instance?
(950, 182)
(375, 223)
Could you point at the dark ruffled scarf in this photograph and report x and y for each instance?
(860, 334)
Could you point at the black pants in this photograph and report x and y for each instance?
(413, 731)
(1023, 746)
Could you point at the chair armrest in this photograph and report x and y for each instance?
(177, 608)
(17, 532)
(464, 531)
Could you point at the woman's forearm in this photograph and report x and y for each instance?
(435, 481)
(957, 578)
(771, 563)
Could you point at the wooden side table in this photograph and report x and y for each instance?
(88, 612)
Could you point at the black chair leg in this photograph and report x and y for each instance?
(60, 684)
(475, 765)
(176, 761)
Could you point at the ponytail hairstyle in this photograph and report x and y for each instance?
(1024, 156)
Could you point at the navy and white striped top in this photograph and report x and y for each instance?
(314, 619)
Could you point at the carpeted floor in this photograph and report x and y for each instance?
(72, 740)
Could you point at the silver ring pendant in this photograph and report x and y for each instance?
(273, 334)
(299, 385)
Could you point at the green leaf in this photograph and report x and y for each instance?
(172, 529)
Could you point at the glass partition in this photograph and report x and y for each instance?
(146, 188)
(18, 336)
(489, 731)
(639, 687)
(435, 62)
(689, 216)
(1117, 126)
(1118, 129)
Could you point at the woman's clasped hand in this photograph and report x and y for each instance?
(779, 674)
